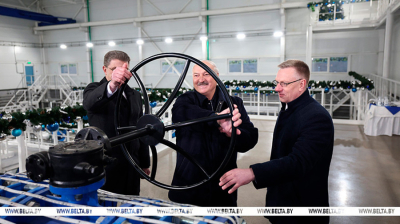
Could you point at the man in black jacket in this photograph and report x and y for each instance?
(297, 173)
(99, 100)
(208, 142)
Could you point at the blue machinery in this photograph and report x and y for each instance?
(19, 191)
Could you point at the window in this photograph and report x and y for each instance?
(235, 66)
(319, 65)
(335, 64)
(250, 66)
(64, 69)
(179, 65)
(338, 64)
(69, 69)
(242, 65)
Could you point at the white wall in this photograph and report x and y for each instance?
(394, 71)
(16, 30)
(364, 48)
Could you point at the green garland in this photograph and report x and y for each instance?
(251, 85)
(327, 8)
(16, 120)
(66, 117)
(161, 95)
(326, 11)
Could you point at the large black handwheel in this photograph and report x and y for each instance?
(153, 129)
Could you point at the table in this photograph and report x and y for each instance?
(382, 120)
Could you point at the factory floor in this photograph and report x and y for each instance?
(365, 172)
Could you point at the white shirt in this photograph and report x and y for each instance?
(110, 93)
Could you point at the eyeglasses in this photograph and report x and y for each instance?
(284, 84)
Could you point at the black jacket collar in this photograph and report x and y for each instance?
(218, 101)
(217, 96)
(297, 102)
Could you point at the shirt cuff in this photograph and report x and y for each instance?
(109, 92)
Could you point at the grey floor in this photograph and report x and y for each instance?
(365, 172)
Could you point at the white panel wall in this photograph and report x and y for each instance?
(9, 76)
(17, 30)
(20, 31)
(394, 71)
(364, 48)
(75, 55)
(361, 47)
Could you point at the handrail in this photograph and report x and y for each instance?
(381, 77)
(385, 87)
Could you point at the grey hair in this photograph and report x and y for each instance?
(119, 55)
(215, 69)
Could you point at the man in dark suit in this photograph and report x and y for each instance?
(208, 142)
(302, 146)
(99, 100)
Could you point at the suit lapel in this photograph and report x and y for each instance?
(134, 108)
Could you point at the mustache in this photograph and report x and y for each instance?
(202, 83)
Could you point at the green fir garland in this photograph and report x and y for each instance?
(66, 116)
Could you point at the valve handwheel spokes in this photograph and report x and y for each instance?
(152, 129)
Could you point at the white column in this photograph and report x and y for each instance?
(283, 37)
(322, 98)
(86, 30)
(140, 46)
(359, 110)
(28, 130)
(203, 30)
(309, 46)
(204, 43)
(21, 152)
(386, 51)
(80, 125)
(331, 104)
(258, 102)
(55, 137)
(43, 54)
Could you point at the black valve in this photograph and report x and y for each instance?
(38, 166)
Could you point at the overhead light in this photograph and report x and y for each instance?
(17, 49)
(241, 36)
(278, 34)
(63, 46)
(89, 44)
(168, 40)
(203, 38)
(139, 42)
(111, 43)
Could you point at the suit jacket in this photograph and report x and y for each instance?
(121, 177)
(208, 146)
(297, 173)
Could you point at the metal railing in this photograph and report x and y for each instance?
(267, 104)
(385, 87)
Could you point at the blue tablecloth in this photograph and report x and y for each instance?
(393, 110)
(382, 120)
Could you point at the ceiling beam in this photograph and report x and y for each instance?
(68, 1)
(266, 7)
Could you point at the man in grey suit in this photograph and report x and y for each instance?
(99, 100)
